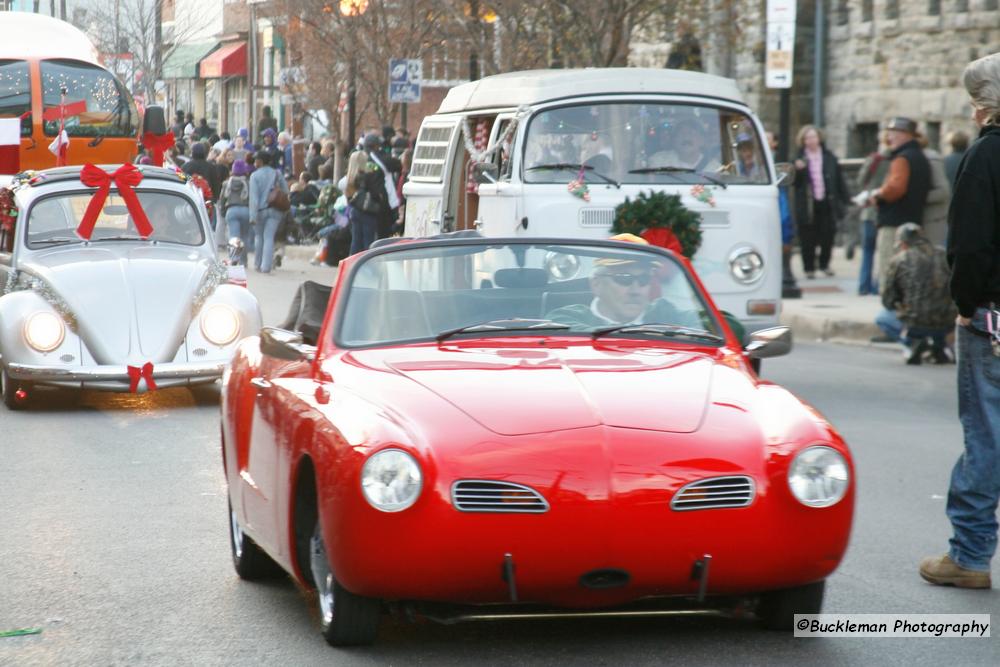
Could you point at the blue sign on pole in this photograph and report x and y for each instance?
(405, 78)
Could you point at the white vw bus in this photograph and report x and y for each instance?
(501, 155)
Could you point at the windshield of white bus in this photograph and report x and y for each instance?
(643, 143)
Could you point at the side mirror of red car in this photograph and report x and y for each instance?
(772, 342)
(283, 344)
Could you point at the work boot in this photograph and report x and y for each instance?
(943, 571)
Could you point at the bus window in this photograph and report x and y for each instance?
(109, 113)
(15, 92)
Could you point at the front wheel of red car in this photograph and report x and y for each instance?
(777, 609)
(249, 560)
(346, 619)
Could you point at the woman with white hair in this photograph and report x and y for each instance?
(974, 257)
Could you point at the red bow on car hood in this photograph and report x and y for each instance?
(125, 177)
(158, 144)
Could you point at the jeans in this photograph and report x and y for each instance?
(865, 283)
(238, 221)
(267, 225)
(975, 480)
(892, 327)
(363, 228)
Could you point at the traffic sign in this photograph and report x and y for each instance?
(780, 44)
(406, 75)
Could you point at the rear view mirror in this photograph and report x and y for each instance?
(772, 342)
(786, 173)
(485, 172)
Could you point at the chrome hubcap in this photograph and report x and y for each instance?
(236, 533)
(322, 576)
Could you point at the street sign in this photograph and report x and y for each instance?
(405, 78)
(780, 43)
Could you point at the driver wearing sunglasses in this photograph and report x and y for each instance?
(622, 289)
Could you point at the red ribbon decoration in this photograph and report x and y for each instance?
(135, 374)
(663, 237)
(159, 144)
(125, 177)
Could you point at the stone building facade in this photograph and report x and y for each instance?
(878, 58)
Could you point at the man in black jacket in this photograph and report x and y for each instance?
(903, 194)
(974, 256)
(389, 167)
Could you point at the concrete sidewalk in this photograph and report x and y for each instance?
(829, 310)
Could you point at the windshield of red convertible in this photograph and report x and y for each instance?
(489, 290)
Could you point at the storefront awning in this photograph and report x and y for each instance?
(229, 60)
(182, 63)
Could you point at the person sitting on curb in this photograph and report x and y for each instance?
(918, 307)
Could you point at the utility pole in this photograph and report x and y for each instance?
(252, 69)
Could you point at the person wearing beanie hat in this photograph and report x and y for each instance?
(389, 169)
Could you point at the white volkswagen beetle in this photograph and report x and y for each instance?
(109, 280)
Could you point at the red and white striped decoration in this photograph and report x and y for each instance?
(480, 139)
(10, 145)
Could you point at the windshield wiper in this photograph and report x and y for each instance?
(577, 167)
(671, 169)
(671, 330)
(119, 238)
(57, 240)
(514, 324)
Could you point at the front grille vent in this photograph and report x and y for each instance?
(715, 493)
(597, 217)
(483, 495)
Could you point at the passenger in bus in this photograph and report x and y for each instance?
(689, 149)
(748, 159)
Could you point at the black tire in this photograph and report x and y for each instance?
(249, 560)
(346, 619)
(777, 609)
(10, 399)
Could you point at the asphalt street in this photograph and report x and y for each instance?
(113, 540)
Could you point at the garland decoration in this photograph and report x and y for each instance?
(8, 210)
(468, 137)
(18, 281)
(662, 220)
(217, 274)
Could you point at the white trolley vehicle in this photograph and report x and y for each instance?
(501, 155)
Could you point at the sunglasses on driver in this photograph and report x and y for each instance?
(628, 279)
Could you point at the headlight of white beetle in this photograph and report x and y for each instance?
(561, 266)
(746, 265)
(818, 476)
(220, 324)
(44, 331)
(391, 480)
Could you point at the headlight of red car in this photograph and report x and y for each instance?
(818, 476)
(391, 480)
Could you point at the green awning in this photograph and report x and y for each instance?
(182, 63)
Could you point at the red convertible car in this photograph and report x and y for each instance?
(491, 427)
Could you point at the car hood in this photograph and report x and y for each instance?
(131, 303)
(520, 391)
